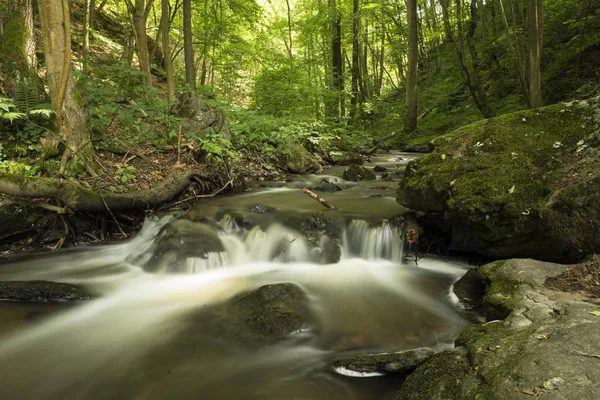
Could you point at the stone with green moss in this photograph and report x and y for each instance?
(522, 184)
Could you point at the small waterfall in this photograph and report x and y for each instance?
(213, 260)
(229, 224)
(383, 241)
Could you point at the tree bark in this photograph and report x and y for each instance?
(140, 11)
(17, 49)
(69, 114)
(188, 47)
(536, 33)
(337, 60)
(354, 100)
(166, 28)
(410, 121)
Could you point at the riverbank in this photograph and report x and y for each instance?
(547, 346)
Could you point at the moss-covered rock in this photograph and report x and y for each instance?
(298, 160)
(272, 311)
(356, 173)
(398, 362)
(522, 184)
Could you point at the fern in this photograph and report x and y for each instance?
(25, 96)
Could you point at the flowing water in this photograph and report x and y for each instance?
(151, 332)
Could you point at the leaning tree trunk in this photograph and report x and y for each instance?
(410, 121)
(17, 50)
(69, 114)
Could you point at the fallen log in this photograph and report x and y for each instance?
(79, 198)
(321, 200)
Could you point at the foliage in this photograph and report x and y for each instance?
(126, 173)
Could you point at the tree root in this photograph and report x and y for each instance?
(76, 197)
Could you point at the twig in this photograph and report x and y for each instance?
(112, 215)
(207, 196)
(321, 200)
(179, 145)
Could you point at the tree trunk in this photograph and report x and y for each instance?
(354, 100)
(140, 12)
(337, 64)
(536, 33)
(166, 28)
(69, 114)
(482, 100)
(87, 5)
(188, 47)
(410, 122)
(17, 49)
(289, 21)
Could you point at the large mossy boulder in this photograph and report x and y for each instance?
(298, 160)
(522, 184)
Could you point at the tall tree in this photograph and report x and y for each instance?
(188, 46)
(337, 59)
(140, 12)
(17, 48)
(69, 114)
(410, 121)
(165, 24)
(355, 100)
(535, 18)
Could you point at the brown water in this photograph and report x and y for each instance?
(154, 335)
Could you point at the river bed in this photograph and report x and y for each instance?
(151, 332)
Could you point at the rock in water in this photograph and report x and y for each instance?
(356, 173)
(525, 184)
(41, 292)
(298, 160)
(344, 158)
(271, 311)
(396, 362)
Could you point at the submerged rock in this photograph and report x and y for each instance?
(356, 173)
(522, 184)
(546, 347)
(396, 362)
(41, 292)
(379, 168)
(271, 311)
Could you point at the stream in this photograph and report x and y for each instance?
(152, 331)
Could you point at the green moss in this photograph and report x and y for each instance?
(501, 288)
(12, 51)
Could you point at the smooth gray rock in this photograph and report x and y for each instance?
(41, 292)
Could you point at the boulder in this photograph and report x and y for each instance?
(379, 168)
(272, 311)
(199, 117)
(182, 240)
(344, 158)
(522, 184)
(387, 363)
(41, 292)
(356, 173)
(298, 160)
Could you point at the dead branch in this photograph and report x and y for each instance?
(321, 200)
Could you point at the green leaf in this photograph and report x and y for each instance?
(124, 178)
(44, 112)
(512, 189)
(12, 116)
(595, 313)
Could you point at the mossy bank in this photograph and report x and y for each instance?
(522, 184)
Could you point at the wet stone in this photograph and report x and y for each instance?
(396, 362)
(41, 292)
(356, 173)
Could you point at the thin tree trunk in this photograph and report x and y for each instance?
(410, 122)
(140, 12)
(166, 45)
(188, 47)
(516, 60)
(536, 33)
(87, 4)
(289, 21)
(483, 103)
(337, 64)
(354, 100)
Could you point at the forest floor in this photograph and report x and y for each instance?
(582, 278)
